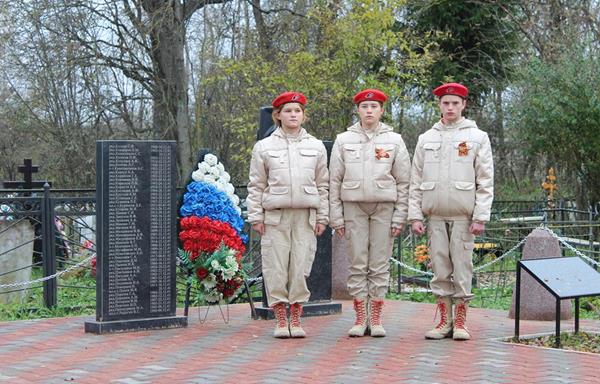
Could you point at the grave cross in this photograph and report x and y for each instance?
(27, 169)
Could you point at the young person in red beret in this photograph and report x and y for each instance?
(288, 206)
(452, 184)
(369, 180)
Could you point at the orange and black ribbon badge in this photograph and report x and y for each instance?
(463, 150)
(381, 153)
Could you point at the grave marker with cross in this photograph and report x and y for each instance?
(27, 169)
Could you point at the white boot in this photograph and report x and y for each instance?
(377, 329)
(282, 330)
(444, 327)
(460, 321)
(295, 327)
(360, 325)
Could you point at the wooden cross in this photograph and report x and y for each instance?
(550, 186)
(27, 169)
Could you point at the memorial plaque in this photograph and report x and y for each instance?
(136, 236)
(564, 278)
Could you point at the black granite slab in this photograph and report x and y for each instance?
(136, 235)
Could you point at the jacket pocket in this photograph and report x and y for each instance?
(279, 190)
(277, 159)
(310, 189)
(273, 217)
(308, 158)
(352, 153)
(431, 152)
(464, 185)
(351, 184)
(462, 199)
(429, 201)
(309, 152)
(385, 184)
(468, 240)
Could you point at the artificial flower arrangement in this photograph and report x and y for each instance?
(4, 210)
(422, 257)
(211, 233)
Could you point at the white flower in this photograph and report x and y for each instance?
(210, 178)
(203, 167)
(221, 167)
(213, 296)
(238, 210)
(211, 159)
(215, 172)
(229, 189)
(236, 200)
(209, 281)
(198, 175)
(216, 265)
(219, 186)
(231, 263)
(228, 274)
(225, 177)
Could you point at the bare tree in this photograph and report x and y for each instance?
(145, 41)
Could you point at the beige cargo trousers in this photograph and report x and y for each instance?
(288, 250)
(367, 228)
(451, 250)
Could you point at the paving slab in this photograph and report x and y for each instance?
(58, 350)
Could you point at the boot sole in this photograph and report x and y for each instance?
(367, 332)
(448, 336)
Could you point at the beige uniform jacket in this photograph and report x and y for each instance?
(288, 175)
(452, 174)
(369, 170)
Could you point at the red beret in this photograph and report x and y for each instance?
(370, 94)
(288, 97)
(451, 89)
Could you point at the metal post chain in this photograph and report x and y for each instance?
(411, 268)
(501, 257)
(514, 248)
(566, 244)
(42, 279)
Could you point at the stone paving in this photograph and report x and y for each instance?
(243, 351)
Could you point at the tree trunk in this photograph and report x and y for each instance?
(170, 95)
(501, 155)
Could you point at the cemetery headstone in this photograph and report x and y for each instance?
(18, 239)
(536, 302)
(340, 269)
(136, 240)
(16, 248)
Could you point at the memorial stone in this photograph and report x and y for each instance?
(136, 236)
(340, 269)
(16, 248)
(536, 302)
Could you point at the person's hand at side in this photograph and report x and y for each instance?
(259, 227)
(418, 227)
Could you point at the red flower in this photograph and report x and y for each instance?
(94, 261)
(201, 273)
(201, 234)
